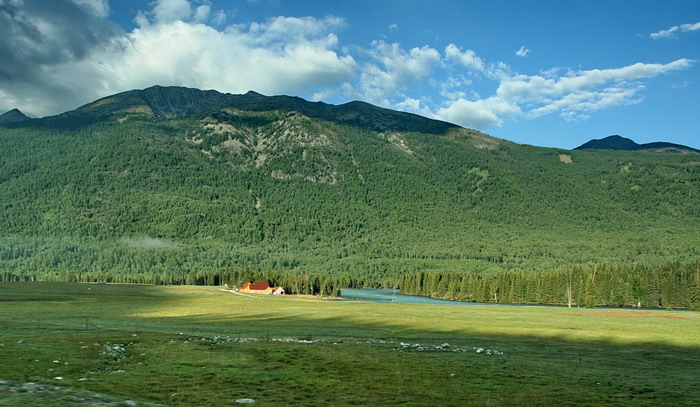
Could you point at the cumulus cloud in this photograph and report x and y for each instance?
(219, 18)
(673, 31)
(65, 49)
(39, 36)
(467, 59)
(455, 87)
(416, 63)
(201, 13)
(168, 11)
(522, 52)
(281, 55)
(416, 106)
(392, 69)
(478, 114)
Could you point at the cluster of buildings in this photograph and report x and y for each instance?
(260, 287)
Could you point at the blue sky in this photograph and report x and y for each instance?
(548, 73)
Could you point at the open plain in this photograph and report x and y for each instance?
(202, 346)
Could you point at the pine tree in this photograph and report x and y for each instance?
(591, 289)
(695, 292)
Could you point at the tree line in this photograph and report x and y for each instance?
(293, 282)
(672, 285)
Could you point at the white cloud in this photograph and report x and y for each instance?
(478, 114)
(467, 59)
(393, 27)
(393, 70)
(201, 13)
(168, 11)
(100, 7)
(577, 106)
(575, 95)
(583, 91)
(219, 18)
(279, 33)
(416, 63)
(522, 52)
(455, 87)
(282, 55)
(412, 105)
(672, 31)
(533, 88)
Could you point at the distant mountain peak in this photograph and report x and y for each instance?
(616, 142)
(13, 116)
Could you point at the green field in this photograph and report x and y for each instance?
(201, 346)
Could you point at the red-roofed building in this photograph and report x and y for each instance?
(261, 287)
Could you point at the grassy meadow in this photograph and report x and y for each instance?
(202, 346)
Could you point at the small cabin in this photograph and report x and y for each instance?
(260, 287)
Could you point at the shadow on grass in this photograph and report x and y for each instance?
(174, 309)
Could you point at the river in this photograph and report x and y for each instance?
(385, 295)
(395, 296)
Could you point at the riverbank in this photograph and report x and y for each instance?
(382, 295)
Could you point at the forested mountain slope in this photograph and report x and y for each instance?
(13, 116)
(174, 181)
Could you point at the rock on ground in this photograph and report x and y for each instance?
(39, 395)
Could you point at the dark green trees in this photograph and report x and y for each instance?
(672, 285)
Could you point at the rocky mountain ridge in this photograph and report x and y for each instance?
(173, 101)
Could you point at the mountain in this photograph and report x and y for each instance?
(172, 102)
(616, 142)
(170, 181)
(13, 116)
